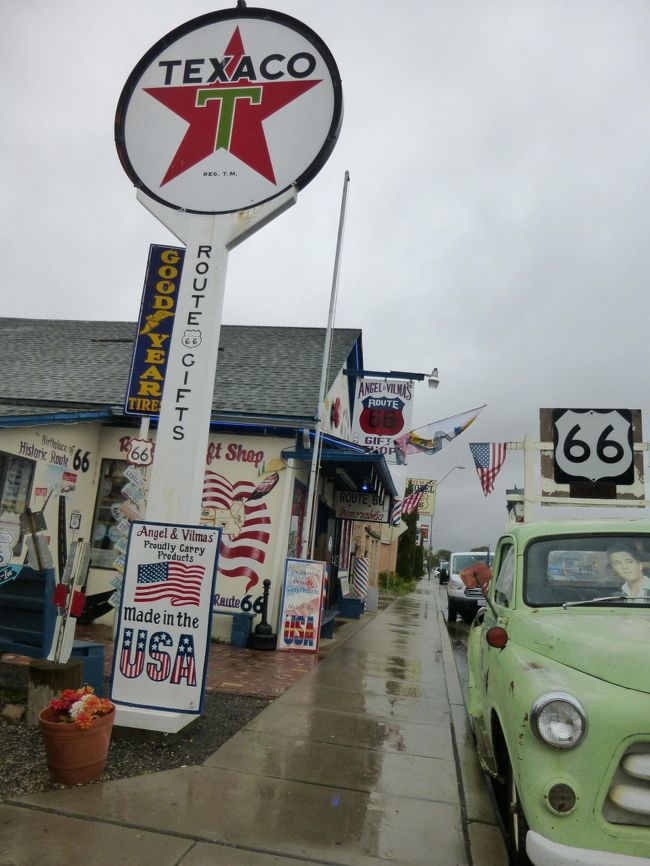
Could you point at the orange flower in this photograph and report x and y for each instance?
(84, 720)
(80, 706)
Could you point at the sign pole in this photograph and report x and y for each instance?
(176, 482)
(196, 132)
(311, 510)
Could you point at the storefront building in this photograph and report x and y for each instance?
(65, 440)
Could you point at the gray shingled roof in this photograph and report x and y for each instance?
(268, 371)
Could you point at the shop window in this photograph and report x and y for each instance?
(344, 551)
(107, 515)
(294, 548)
(16, 476)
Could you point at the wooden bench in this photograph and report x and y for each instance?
(27, 619)
(327, 622)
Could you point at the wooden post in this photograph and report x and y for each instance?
(46, 682)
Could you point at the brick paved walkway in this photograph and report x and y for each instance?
(235, 670)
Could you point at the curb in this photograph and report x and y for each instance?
(483, 838)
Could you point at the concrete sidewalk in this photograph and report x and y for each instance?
(366, 760)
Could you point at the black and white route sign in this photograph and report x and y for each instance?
(593, 445)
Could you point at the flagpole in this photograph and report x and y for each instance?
(309, 532)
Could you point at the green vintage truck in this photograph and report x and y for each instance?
(559, 691)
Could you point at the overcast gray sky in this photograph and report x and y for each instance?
(497, 215)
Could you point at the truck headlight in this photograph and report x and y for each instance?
(456, 582)
(559, 720)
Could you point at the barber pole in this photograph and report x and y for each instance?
(360, 577)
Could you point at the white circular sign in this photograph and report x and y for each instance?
(228, 111)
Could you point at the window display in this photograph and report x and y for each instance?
(109, 498)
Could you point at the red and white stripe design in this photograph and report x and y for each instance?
(241, 556)
(360, 577)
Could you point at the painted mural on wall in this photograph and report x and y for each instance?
(240, 494)
(39, 467)
(336, 419)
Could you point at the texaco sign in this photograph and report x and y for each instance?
(228, 111)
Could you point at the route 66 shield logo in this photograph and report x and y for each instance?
(382, 416)
(593, 445)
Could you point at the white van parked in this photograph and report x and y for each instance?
(464, 598)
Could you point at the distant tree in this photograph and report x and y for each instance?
(418, 561)
(442, 555)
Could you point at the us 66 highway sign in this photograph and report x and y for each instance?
(594, 445)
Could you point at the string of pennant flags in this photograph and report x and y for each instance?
(488, 457)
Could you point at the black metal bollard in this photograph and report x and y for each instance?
(263, 637)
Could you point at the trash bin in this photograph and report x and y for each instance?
(242, 625)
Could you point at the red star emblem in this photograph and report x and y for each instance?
(227, 115)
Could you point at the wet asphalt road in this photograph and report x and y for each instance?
(458, 632)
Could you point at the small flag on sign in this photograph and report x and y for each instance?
(489, 457)
(180, 583)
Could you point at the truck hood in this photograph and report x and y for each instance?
(611, 645)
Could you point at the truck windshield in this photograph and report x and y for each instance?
(599, 569)
(459, 561)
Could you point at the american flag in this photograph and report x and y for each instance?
(178, 582)
(240, 556)
(489, 457)
(410, 503)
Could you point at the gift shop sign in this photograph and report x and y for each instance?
(163, 630)
(228, 111)
(382, 410)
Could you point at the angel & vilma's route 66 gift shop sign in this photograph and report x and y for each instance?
(382, 410)
(228, 111)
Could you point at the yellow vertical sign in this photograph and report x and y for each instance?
(428, 501)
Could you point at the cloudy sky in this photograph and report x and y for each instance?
(497, 223)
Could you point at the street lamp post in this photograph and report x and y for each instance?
(433, 508)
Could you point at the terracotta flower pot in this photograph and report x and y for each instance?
(75, 756)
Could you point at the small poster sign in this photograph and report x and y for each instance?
(165, 615)
(302, 602)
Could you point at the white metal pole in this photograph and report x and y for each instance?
(529, 478)
(309, 531)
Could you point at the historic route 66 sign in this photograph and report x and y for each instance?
(594, 445)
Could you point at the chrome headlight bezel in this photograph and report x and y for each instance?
(578, 719)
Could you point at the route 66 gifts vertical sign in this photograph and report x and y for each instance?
(593, 453)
